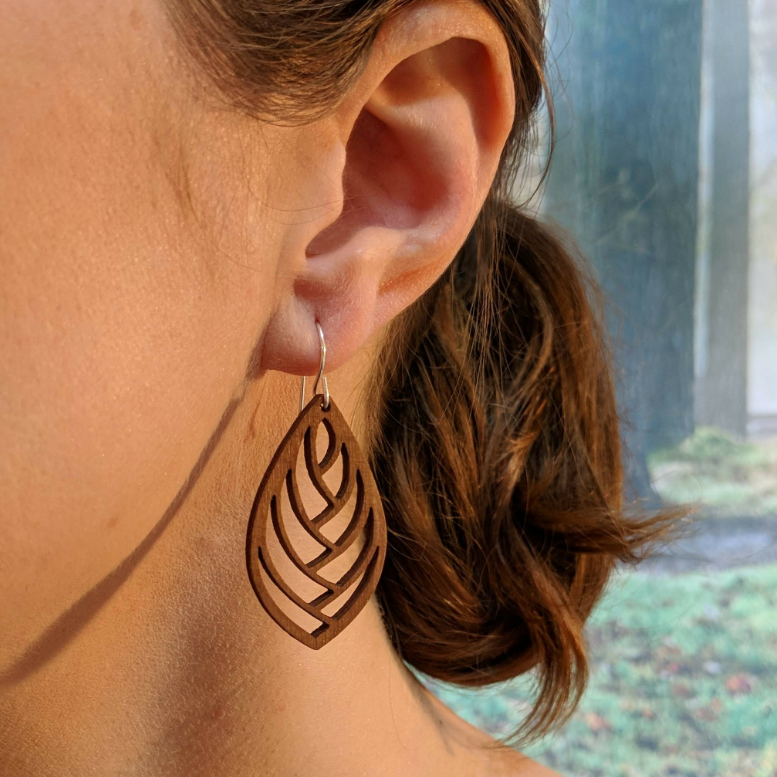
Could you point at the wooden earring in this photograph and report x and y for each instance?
(268, 533)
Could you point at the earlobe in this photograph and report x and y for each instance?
(423, 129)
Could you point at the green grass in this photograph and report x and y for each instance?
(684, 682)
(729, 478)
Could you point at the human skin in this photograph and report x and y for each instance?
(162, 265)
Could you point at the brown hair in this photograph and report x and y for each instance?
(494, 434)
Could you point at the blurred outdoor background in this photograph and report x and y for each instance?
(665, 172)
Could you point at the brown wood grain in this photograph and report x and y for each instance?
(368, 521)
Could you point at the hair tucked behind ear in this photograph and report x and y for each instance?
(494, 428)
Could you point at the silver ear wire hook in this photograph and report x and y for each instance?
(320, 377)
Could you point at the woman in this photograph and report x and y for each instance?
(191, 188)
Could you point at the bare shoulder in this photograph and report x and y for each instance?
(481, 754)
(511, 763)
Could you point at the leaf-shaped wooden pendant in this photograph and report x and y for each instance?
(268, 532)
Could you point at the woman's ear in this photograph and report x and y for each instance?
(408, 157)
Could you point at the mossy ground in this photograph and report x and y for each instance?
(683, 666)
(684, 682)
(726, 477)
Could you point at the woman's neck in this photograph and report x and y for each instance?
(174, 669)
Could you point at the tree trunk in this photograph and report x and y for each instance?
(624, 183)
(722, 386)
